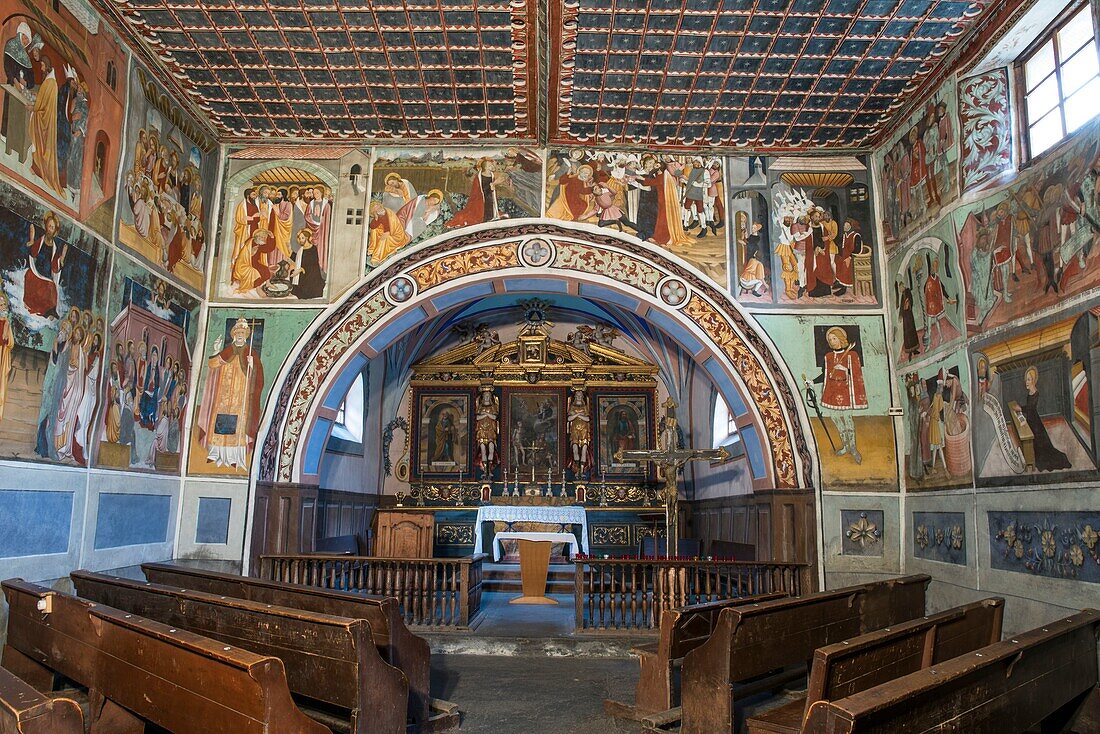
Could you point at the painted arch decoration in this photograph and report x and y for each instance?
(392, 299)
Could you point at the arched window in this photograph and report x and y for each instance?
(725, 423)
(349, 417)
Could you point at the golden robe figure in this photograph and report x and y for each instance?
(387, 234)
(44, 129)
(229, 415)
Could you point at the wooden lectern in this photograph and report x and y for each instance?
(534, 564)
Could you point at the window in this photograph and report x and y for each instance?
(353, 216)
(1060, 79)
(725, 423)
(349, 417)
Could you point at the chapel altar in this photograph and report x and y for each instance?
(540, 421)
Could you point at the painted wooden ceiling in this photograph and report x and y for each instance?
(661, 73)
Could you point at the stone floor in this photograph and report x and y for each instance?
(526, 693)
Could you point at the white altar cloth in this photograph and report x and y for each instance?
(572, 514)
(498, 546)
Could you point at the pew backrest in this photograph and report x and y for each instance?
(685, 628)
(23, 710)
(405, 650)
(1010, 686)
(892, 601)
(327, 658)
(180, 681)
(845, 668)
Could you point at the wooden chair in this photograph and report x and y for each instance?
(1039, 679)
(404, 650)
(332, 660)
(23, 710)
(847, 667)
(681, 631)
(139, 671)
(752, 643)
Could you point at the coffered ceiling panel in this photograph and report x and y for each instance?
(776, 74)
(410, 69)
(762, 73)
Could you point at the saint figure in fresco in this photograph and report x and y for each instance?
(42, 279)
(421, 213)
(842, 388)
(386, 235)
(935, 299)
(481, 206)
(43, 124)
(229, 415)
(1047, 456)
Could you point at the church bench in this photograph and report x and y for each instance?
(404, 650)
(24, 710)
(137, 670)
(732, 550)
(854, 665)
(681, 630)
(1036, 680)
(328, 659)
(752, 643)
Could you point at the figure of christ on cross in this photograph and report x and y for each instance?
(670, 463)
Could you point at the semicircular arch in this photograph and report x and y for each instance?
(537, 257)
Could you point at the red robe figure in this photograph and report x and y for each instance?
(44, 263)
(481, 206)
(843, 389)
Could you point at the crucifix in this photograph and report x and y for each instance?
(670, 459)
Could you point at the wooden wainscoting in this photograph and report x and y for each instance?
(781, 524)
(289, 518)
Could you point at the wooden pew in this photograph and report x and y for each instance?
(845, 668)
(682, 629)
(332, 660)
(23, 710)
(753, 642)
(404, 650)
(1037, 680)
(137, 670)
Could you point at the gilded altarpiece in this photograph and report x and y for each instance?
(533, 419)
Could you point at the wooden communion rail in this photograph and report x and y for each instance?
(432, 592)
(631, 594)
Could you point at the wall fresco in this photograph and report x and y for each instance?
(937, 447)
(167, 187)
(1035, 402)
(1031, 245)
(940, 536)
(675, 201)
(287, 221)
(985, 121)
(927, 296)
(1060, 545)
(52, 310)
(151, 340)
(802, 231)
(842, 366)
(64, 99)
(243, 352)
(419, 194)
(920, 167)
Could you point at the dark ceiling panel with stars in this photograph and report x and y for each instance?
(408, 69)
(757, 73)
(656, 73)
